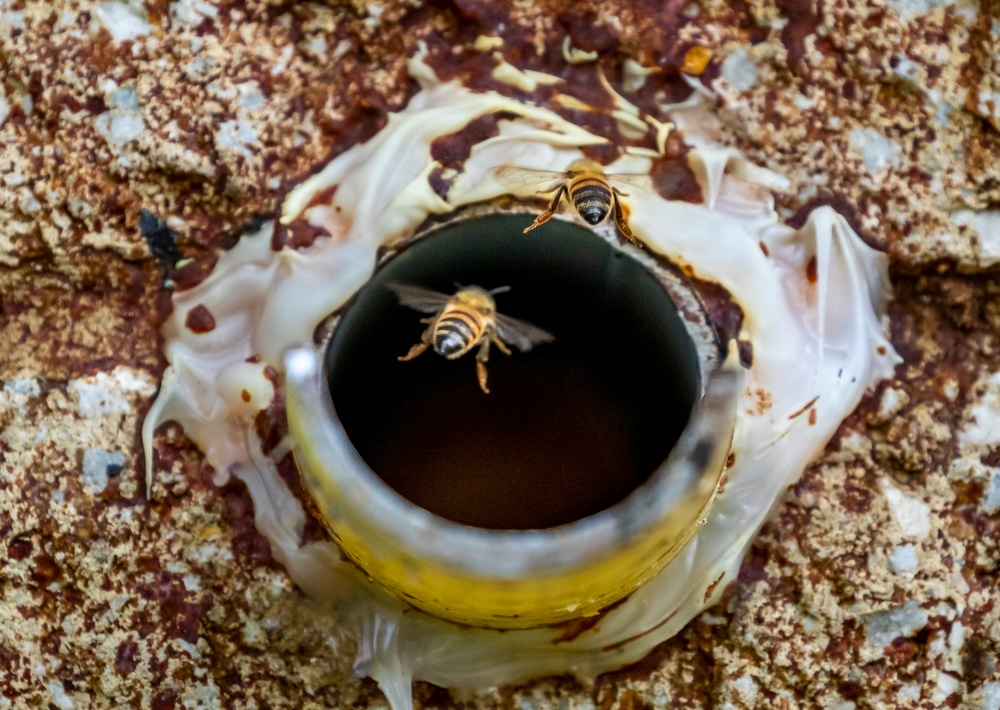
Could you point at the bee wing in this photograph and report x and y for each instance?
(524, 336)
(421, 299)
(525, 178)
(636, 179)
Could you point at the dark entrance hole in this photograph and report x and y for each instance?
(568, 429)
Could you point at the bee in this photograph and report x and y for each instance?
(468, 318)
(585, 183)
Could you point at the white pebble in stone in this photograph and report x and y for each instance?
(903, 559)
(991, 696)
(124, 20)
(739, 70)
(877, 151)
(912, 515)
(991, 503)
(24, 386)
(886, 626)
(119, 128)
(98, 465)
(236, 136)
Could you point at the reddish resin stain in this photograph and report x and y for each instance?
(193, 273)
(812, 417)
(181, 615)
(619, 644)
(125, 657)
(674, 180)
(314, 528)
(572, 629)
(323, 197)
(724, 479)
(713, 585)
(845, 208)
(270, 423)
(672, 175)
(804, 409)
(200, 320)
(438, 183)
(802, 21)
(300, 234)
(46, 571)
(754, 567)
(247, 543)
(454, 149)
(811, 271)
(575, 628)
(603, 153)
(745, 348)
(723, 313)
(166, 700)
(19, 548)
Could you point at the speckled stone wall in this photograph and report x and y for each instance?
(136, 133)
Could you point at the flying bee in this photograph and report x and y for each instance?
(468, 318)
(591, 190)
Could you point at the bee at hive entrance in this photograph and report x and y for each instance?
(569, 429)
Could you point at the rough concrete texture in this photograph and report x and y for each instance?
(133, 133)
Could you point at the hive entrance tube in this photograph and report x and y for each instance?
(590, 463)
(568, 429)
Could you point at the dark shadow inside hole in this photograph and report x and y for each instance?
(568, 429)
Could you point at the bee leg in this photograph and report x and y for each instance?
(481, 357)
(425, 340)
(499, 343)
(547, 214)
(620, 217)
(414, 351)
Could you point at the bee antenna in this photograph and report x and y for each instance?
(458, 285)
(499, 289)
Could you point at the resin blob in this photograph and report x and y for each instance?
(813, 300)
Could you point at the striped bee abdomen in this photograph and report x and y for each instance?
(456, 331)
(592, 199)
